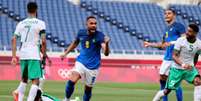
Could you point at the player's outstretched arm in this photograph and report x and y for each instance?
(105, 46)
(161, 44)
(14, 58)
(71, 47)
(156, 45)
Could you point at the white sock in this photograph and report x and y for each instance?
(32, 92)
(21, 89)
(42, 80)
(158, 95)
(66, 99)
(197, 93)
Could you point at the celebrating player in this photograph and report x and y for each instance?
(88, 62)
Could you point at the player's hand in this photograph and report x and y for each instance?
(166, 44)
(107, 39)
(62, 56)
(50, 63)
(187, 66)
(146, 44)
(14, 61)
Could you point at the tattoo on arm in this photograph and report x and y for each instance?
(175, 57)
(196, 58)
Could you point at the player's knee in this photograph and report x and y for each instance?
(35, 81)
(74, 77)
(163, 77)
(167, 91)
(88, 88)
(25, 80)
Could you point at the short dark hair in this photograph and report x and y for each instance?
(171, 9)
(90, 17)
(32, 7)
(194, 27)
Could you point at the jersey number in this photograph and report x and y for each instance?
(191, 48)
(87, 44)
(28, 30)
(166, 35)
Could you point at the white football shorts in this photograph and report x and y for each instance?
(89, 76)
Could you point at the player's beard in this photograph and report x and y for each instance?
(169, 20)
(191, 38)
(92, 30)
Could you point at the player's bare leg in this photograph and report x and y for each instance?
(18, 94)
(15, 95)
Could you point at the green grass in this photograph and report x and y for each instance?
(103, 91)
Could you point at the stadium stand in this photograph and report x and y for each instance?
(128, 24)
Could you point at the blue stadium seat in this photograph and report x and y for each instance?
(178, 12)
(1, 7)
(146, 38)
(49, 36)
(140, 36)
(184, 15)
(11, 14)
(128, 24)
(62, 43)
(190, 19)
(107, 18)
(133, 32)
(17, 18)
(83, 4)
(89, 8)
(55, 40)
(113, 21)
(101, 14)
(95, 11)
(120, 25)
(126, 28)
(197, 22)
(5, 10)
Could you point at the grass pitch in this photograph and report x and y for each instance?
(103, 91)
